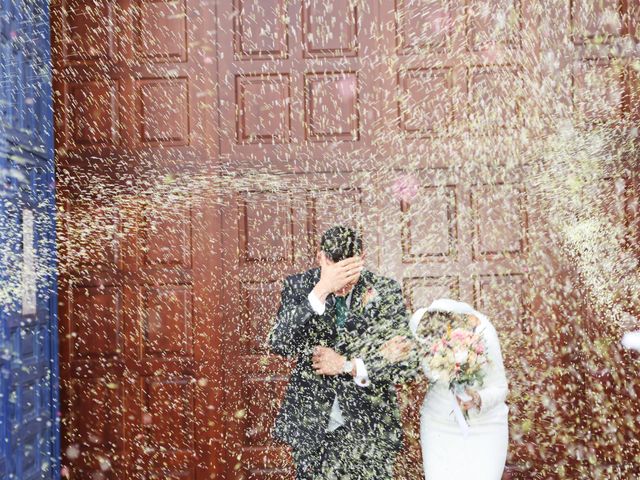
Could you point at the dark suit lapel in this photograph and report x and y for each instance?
(357, 299)
(357, 321)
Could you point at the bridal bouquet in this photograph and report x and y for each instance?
(458, 358)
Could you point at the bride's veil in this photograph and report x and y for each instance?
(444, 305)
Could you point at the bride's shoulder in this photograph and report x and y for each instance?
(489, 332)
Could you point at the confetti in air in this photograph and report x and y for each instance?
(487, 151)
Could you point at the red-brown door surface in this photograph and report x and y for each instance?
(139, 344)
(202, 149)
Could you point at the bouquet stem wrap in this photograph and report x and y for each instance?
(459, 416)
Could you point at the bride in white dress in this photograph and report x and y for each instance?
(478, 448)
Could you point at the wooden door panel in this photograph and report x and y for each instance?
(257, 387)
(96, 328)
(259, 303)
(97, 423)
(403, 119)
(598, 90)
(161, 31)
(589, 19)
(430, 225)
(264, 228)
(342, 206)
(421, 291)
(494, 103)
(86, 22)
(295, 78)
(266, 223)
(166, 327)
(426, 105)
(497, 23)
(133, 79)
(499, 221)
(93, 234)
(167, 413)
(95, 426)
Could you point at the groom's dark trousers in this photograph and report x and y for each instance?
(365, 446)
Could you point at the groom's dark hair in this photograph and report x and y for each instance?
(341, 242)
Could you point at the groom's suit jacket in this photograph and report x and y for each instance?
(377, 313)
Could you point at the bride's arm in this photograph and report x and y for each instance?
(496, 387)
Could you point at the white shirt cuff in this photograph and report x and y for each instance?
(362, 377)
(316, 304)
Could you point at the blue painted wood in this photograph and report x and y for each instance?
(29, 385)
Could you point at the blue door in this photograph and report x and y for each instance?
(29, 423)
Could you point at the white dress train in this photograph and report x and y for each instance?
(447, 453)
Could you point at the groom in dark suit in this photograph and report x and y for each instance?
(340, 412)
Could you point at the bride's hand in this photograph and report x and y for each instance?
(397, 349)
(475, 402)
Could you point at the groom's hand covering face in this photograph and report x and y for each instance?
(339, 277)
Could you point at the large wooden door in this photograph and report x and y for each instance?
(202, 149)
(135, 84)
(141, 345)
(439, 231)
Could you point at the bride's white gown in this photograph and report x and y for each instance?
(447, 453)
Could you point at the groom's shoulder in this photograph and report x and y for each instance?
(384, 283)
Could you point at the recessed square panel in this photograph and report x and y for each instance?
(261, 29)
(430, 226)
(263, 108)
(95, 413)
(28, 342)
(163, 111)
(616, 200)
(424, 25)
(421, 291)
(501, 298)
(266, 227)
(494, 98)
(330, 28)
(166, 322)
(28, 402)
(260, 301)
(260, 305)
(598, 91)
(500, 221)
(92, 113)
(331, 106)
(167, 412)
(494, 22)
(162, 30)
(596, 20)
(166, 236)
(89, 27)
(96, 322)
(94, 233)
(263, 396)
(426, 101)
(336, 207)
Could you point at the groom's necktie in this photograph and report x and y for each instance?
(341, 311)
